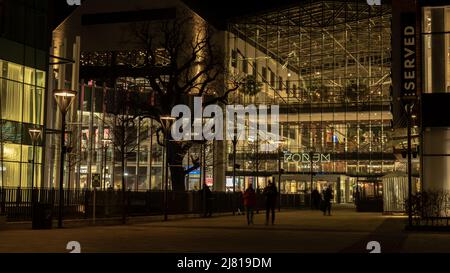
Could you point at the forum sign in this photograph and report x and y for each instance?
(306, 157)
(243, 123)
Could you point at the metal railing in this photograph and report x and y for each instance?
(17, 203)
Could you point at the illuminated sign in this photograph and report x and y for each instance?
(306, 157)
(408, 57)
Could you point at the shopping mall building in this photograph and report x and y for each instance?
(25, 36)
(339, 71)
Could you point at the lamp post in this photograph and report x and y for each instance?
(106, 142)
(35, 134)
(311, 156)
(408, 108)
(234, 141)
(63, 98)
(166, 123)
(280, 171)
(234, 169)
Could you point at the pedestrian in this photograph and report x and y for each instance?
(315, 197)
(249, 203)
(206, 197)
(327, 197)
(258, 194)
(270, 193)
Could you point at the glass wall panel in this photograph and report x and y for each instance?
(332, 62)
(22, 97)
(11, 100)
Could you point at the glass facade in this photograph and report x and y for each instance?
(22, 94)
(90, 154)
(144, 160)
(327, 65)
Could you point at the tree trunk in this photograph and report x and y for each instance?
(175, 155)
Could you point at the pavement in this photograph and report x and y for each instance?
(301, 231)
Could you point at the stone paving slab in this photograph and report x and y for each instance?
(294, 232)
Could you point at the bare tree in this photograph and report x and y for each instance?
(194, 65)
(124, 129)
(74, 156)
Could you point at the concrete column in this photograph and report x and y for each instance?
(438, 51)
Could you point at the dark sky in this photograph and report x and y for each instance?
(59, 10)
(216, 11)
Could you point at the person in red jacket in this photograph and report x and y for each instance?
(249, 203)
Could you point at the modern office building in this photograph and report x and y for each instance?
(25, 34)
(327, 64)
(23, 66)
(434, 91)
(110, 64)
(339, 70)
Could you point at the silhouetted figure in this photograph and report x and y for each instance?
(356, 196)
(270, 193)
(258, 193)
(327, 197)
(206, 197)
(315, 199)
(249, 203)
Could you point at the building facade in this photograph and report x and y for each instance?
(434, 24)
(330, 77)
(327, 64)
(335, 68)
(23, 78)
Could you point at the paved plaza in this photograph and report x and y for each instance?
(295, 232)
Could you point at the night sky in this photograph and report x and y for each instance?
(216, 12)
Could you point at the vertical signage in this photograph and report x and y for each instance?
(408, 56)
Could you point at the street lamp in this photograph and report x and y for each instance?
(234, 141)
(106, 142)
(35, 134)
(63, 98)
(166, 123)
(311, 156)
(409, 104)
(280, 170)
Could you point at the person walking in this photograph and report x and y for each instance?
(206, 199)
(249, 203)
(327, 197)
(315, 197)
(270, 193)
